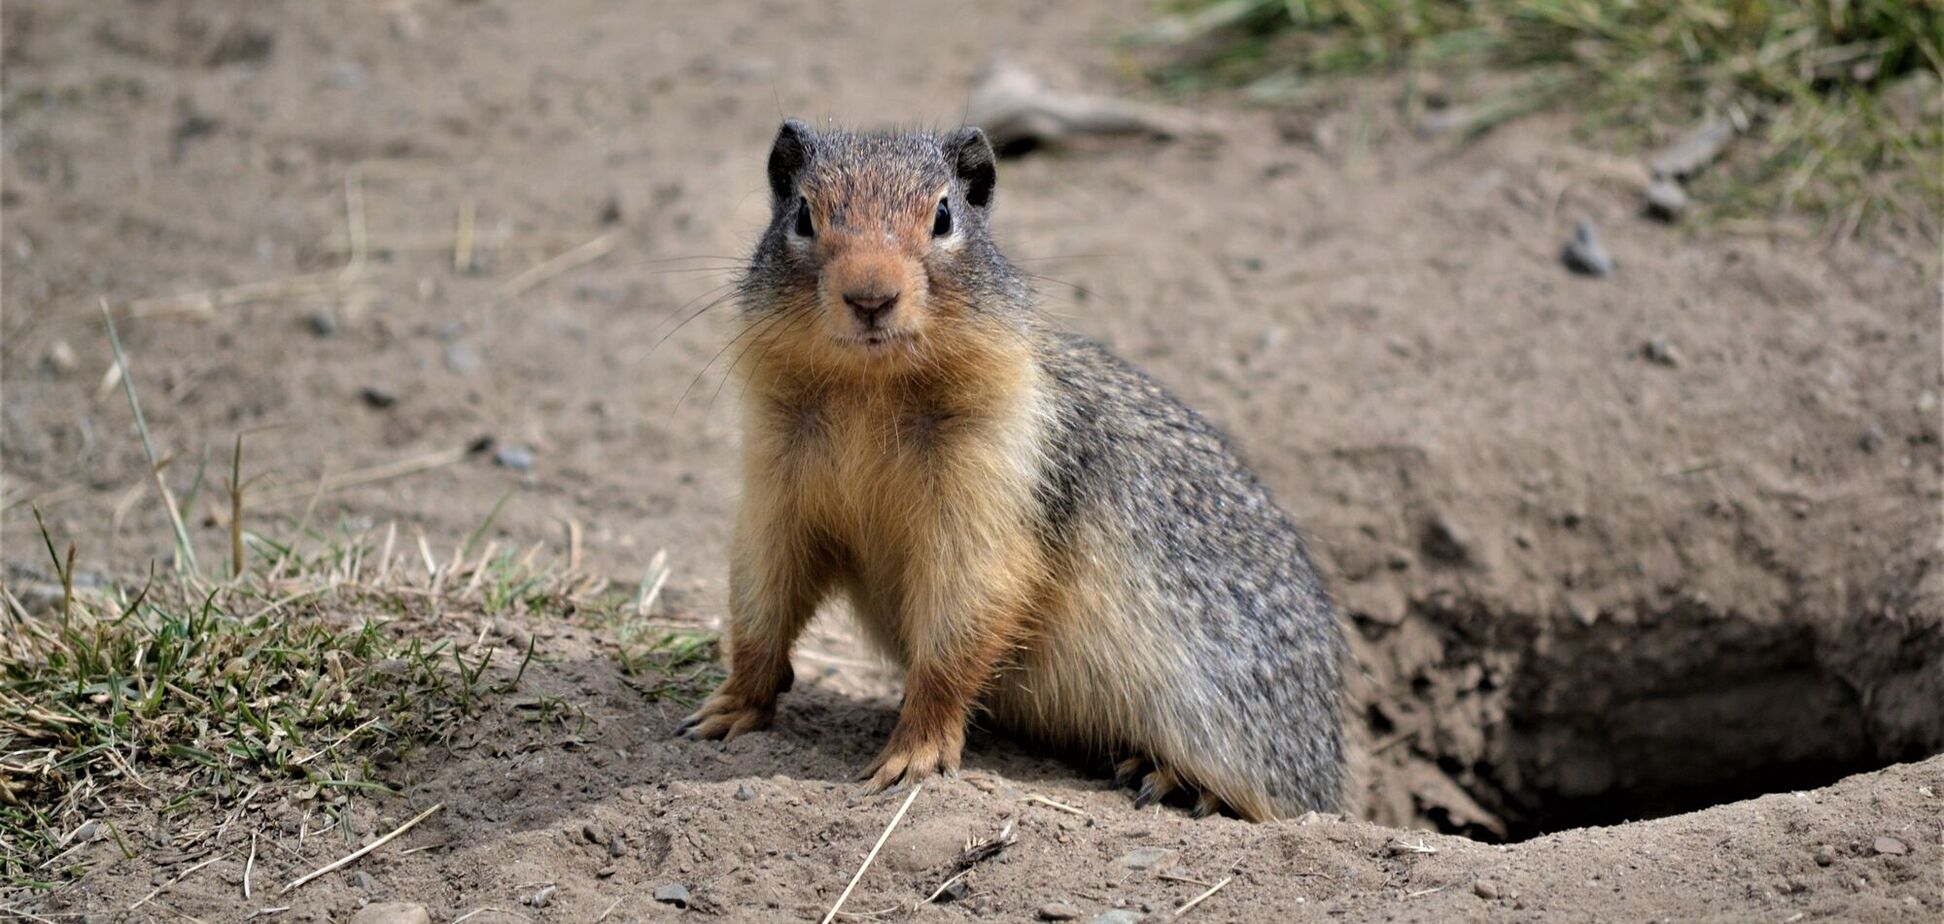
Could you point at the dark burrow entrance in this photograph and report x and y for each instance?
(1505, 727)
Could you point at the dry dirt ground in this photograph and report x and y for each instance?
(1608, 548)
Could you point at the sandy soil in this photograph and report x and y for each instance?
(1589, 580)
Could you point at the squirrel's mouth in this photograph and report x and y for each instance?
(879, 341)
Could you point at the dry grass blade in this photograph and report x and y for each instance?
(1191, 903)
(873, 854)
(1049, 803)
(185, 551)
(158, 890)
(355, 855)
(376, 473)
(557, 264)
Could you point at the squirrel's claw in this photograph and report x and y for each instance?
(1127, 771)
(1155, 788)
(725, 718)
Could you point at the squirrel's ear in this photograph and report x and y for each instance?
(970, 155)
(787, 157)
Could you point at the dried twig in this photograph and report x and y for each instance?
(353, 856)
(915, 789)
(184, 875)
(1191, 903)
(1049, 803)
(557, 264)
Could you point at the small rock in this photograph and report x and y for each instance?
(363, 881)
(60, 358)
(616, 848)
(955, 891)
(541, 898)
(1584, 254)
(1146, 858)
(460, 357)
(377, 397)
(1872, 439)
(392, 913)
(1444, 541)
(1890, 847)
(1692, 151)
(677, 895)
(611, 210)
(517, 458)
(1118, 916)
(592, 831)
(323, 323)
(604, 872)
(1058, 911)
(1484, 889)
(745, 793)
(1666, 200)
(1660, 352)
(1824, 856)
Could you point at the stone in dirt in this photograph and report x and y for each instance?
(1584, 254)
(1118, 916)
(1890, 847)
(1666, 200)
(677, 895)
(1146, 858)
(392, 913)
(1058, 911)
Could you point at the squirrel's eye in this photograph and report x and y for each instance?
(942, 219)
(803, 226)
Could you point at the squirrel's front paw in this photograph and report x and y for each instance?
(726, 715)
(910, 758)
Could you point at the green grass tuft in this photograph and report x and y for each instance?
(1840, 98)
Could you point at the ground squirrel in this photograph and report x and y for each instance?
(1023, 521)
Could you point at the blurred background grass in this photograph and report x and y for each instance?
(1838, 102)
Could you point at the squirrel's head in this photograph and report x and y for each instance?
(877, 255)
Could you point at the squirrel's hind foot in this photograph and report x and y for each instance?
(1160, 785)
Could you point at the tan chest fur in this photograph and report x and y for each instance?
(907, 487)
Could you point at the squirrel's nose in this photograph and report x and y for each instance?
(870, 306)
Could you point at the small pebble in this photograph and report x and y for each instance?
(616, 848)
(377, 397)
(1872, 439)
(1584, 254)
(745, 793)
(1058, 911)
(392, 913)
(1485, 889)
(954, 892)
(323, 323)
(1824, 856)
(1145, 858)
(363, 881)
(462, 358)
(1666, 200)
(592, 831)
(60, 358)
(604, 872)
(1444, 541)
(677, 895)
(517, 458)
(1660, 352)
(611, 209)
(541, 898)
(1118, 916)
(1890, 847)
